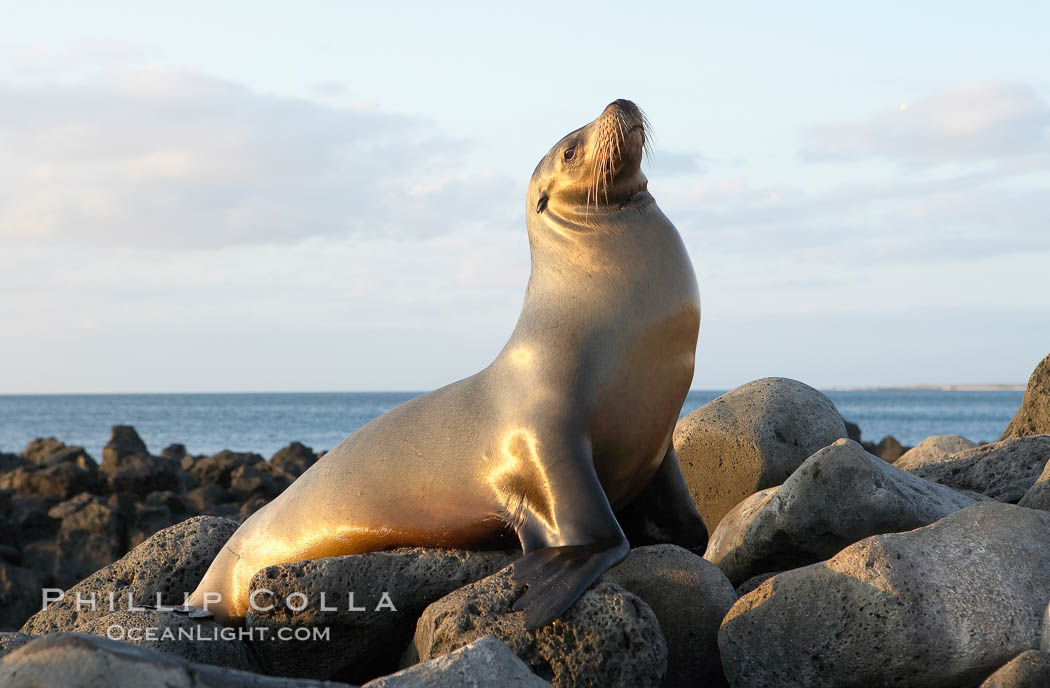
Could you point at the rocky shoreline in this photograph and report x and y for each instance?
(830, 563)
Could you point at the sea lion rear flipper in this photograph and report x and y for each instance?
(664, 511)
(570, 538)
(557, 576)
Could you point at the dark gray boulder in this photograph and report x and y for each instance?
(689, 596)
(74, 455)
(208, 496)
(141, 474)
(38, 450)
(934, 449)
(9, 462)
(838, 496)
(888, 448)
(79, 660)
(751, 438)
(175, 502)
(30, 524)
(368, 642)
(484, 662)
(19, 595)
(174, 452)
(262, 480)
(128, 466)
(91, 535)
(11, 641)
(59, 481)
(942, 605)
(157, 511)
(1030, 669)
(195, 640)
(753, 582)
(124, 441)
(170, 564)
(218, 468)
(1033, 418)
(1003, 470)
(294, 459)
(609, 637)
(1038, 495)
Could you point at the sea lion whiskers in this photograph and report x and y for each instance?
(609, 148)
(593, 185)
(647, 137)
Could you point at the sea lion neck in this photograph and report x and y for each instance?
(583, 245)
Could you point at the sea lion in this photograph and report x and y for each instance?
(571, 423)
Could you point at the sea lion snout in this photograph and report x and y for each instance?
(627, 106)
(620, 140)
(629, 119)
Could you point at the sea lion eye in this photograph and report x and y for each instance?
(570, 153)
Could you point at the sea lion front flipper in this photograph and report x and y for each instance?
(664, 511)
(570, 538)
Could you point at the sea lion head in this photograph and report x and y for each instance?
(595, 169)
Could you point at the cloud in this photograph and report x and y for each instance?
(670, 163)
(160, 158)
(73, 58)
(968, 122)
(860, 222)
(364, 312)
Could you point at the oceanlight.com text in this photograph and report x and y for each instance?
(197, 633)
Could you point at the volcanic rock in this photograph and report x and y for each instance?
(751, 438)
(367, 642)
(174, 452)
(689, 596)
(195, 640)
(218, 468)
(294, 459)
(484, 662)
(39, 449)
(1038, 495)
(888, 448)
(942, 605)
(1033, 418)
(609, 637)
(170, 564)
(1030, 669)
(1003, 470)
(19, 595)
(258, 480)
(838, 496)
(124, 441)
(9, 642)
(79, 660)
(935, 449)
(91, 535)
(62, 480)
(208, 496)
(9, 462)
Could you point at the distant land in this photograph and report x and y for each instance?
(1005, 387)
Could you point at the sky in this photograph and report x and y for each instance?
(330, 195)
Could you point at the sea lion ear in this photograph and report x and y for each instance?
(541, 205)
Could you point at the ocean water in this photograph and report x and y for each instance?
(263, 423)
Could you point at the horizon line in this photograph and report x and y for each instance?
(965, 387)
